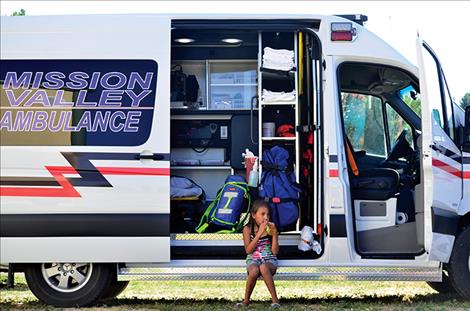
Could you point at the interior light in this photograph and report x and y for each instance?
(184, 40)
(232, 40)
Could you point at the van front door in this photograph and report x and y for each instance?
(441, 170)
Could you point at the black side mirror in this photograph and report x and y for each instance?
(466, 131)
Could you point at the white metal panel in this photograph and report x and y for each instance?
(92, 37)
(84, 249)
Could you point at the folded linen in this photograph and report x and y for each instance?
(272, 97)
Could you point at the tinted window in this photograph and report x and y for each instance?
(411, 97)
(77, 102)
(433, 87)
(363, 123)
(396, 125)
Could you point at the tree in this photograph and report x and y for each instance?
(465, 101)
(21, 12)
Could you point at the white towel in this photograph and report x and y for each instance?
(272, 97)
(278, 59)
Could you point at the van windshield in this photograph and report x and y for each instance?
(411, 97)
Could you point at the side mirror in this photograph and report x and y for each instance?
(466, 131)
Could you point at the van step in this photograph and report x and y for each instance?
(205, 236)
(284, 273)
(215, 239)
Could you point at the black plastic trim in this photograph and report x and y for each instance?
(246, 24)
(444, 222)
(338, 226)
(234, 252)
(89, 225)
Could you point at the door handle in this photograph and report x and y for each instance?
(153, 156)
(437, 147)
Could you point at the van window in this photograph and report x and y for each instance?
(434, 91)
(363, 123)
(76, 102)
(396, 125)
(411, 98)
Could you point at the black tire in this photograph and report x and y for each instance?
(99, 279)
(459, 264)
(115, 288)
(444, 287)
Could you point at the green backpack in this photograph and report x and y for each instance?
(224, 214)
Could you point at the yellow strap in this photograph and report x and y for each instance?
(301, 63)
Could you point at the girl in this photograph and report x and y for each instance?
(262, 247)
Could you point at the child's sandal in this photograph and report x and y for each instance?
(240, 305)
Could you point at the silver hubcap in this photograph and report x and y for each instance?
(66, 277)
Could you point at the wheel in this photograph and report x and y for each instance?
(444, 287)
(68, 284)
(459, 264)
(115, 288)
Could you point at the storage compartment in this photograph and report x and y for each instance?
(210, 133)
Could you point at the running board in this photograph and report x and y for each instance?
(433, 274)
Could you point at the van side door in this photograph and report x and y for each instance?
(441, 158)
(85, 132)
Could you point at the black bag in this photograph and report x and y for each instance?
(191, 89)
(177, 84)
(184, 88)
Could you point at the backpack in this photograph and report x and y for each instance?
(177, 83)
(223, 214)
(278, 187)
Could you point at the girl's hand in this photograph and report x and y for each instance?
(262, 227)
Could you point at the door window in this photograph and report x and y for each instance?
(364, 123)
(396, 125)
(411, 98)
(434, 90)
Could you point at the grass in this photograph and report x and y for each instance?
(221, 295)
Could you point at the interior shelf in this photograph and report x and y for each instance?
(279, 103)
(201, 167)
(278, 74)
(234, 84)
(280, 138)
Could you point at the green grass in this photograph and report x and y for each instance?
(221, 295)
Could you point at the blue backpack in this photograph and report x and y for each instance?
(278, 187)
(223, 214)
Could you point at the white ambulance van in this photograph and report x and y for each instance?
(99, 112)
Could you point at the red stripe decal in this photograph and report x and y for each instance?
(67, 189)
(446, 167)
(333, 173)
(134, 171)
(57, 172)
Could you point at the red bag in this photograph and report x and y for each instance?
(285, 130)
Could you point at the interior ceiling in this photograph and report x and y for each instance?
(214, 37)
(372, 79)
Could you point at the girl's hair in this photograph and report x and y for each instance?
(257, 204)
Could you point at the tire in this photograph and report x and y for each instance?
(115, 288)
(459, 264)
(68, 284)
(444, 287)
